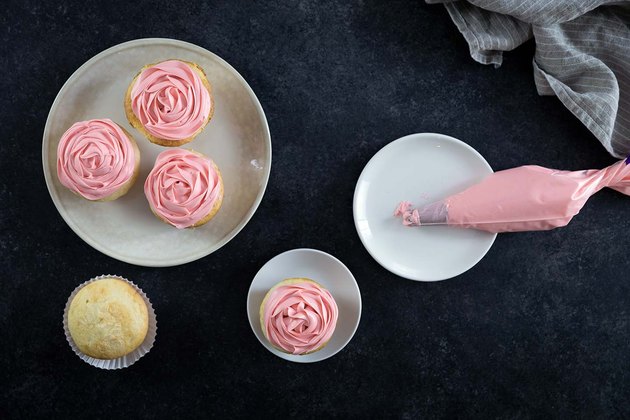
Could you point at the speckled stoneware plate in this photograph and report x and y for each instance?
(237, 139)
(421, 168)
(325, 270)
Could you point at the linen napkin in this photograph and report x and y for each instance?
(582, 54)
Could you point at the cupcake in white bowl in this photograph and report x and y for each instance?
(298, 316)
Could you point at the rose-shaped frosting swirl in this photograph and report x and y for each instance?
(299, 318)
(95, 158)
(170, 100)
(182, 187)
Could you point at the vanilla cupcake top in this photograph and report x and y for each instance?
(108, 319)
(182, 187)
(170, 100)
(299, 316)
(95, 158)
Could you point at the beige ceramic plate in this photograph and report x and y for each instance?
(237, 138)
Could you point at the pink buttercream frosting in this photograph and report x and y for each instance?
(410, 216)
(182, 187)
(299, 318)
(95, 158)
(170, 100)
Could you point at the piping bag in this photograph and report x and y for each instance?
(519, 199)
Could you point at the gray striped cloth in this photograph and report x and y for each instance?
(582, 54)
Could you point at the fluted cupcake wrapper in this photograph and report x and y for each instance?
(128, 359)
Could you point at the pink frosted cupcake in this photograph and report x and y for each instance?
(97, 160)
(184, 188)
(298, 316)
(170, 102)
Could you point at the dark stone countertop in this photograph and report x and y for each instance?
(539, 328)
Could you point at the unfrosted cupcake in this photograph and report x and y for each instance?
(298, 316)
(97, 160)
(184, 188)
(170, 102)
(109, 322)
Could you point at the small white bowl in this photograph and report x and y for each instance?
(326, 270)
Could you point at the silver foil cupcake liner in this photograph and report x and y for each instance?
(129, 358)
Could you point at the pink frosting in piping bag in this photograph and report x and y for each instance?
(95, 158)
(182, 187)
(299, 318)
(170, 100)
(520, 199)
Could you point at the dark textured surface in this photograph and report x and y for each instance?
(540, 327)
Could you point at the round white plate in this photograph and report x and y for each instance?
(327, 271)
(421, 168)
(237, 139)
